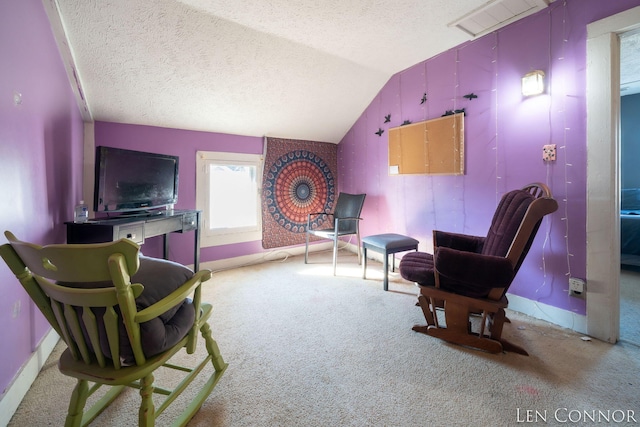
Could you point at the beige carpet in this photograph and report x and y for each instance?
(309, 349)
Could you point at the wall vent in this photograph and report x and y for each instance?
(496, 14)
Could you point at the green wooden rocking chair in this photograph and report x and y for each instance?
(86, 294)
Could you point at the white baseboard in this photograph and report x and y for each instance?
(279, 254)
(273, 255)
(20, 386)
(557, 316)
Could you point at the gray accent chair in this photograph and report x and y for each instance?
(346, 221)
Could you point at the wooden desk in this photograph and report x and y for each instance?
(139, 228)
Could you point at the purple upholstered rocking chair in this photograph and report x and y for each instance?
(471, 274)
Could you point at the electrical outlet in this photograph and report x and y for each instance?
(576, 287)
(549, 153)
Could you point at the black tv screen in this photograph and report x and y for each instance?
(127, 180)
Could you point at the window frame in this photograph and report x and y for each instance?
(219, 237)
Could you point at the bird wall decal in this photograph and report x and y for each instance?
(387, 118)
(470, 96)
(452, 112)
(424, 98)
(380, 132)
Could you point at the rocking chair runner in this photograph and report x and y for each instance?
(468, 275)
(118, 333)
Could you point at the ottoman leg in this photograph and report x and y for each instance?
(364, 263)
(385, 271)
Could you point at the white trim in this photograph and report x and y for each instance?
(66, 54)
(233, 235)
(549, 313)
(88, 165)
(603, 183)
(273, 255)
(28, 374)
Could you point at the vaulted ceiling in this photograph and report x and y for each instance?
(303, 69)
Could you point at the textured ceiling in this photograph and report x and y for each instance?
(303, 69)
(296, 69)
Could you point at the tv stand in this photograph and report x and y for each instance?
(139, 214)
(139, 228)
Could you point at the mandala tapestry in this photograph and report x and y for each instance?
(299, 178)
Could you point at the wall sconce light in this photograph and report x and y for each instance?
(533, 83)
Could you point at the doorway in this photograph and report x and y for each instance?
(603, 172)
(630, 187)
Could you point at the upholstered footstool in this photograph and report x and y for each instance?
(386, 244)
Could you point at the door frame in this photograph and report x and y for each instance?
(603, 172)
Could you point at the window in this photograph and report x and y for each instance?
(228, 194)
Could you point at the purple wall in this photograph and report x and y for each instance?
(41, 150)
(504, 138)
(40, 163)
(504, 135)
(185, 144)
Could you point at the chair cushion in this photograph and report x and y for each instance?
(506, 222)
(390, 242)
(159, 278)
(157, 336)
(418, 267)
(461, 242)
(480, 274)
(461, 268)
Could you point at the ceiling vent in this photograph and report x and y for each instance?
(496, 14)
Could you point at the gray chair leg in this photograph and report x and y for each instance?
(306, 248)
(335, 253)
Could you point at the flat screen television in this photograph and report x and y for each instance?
(128, 181)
